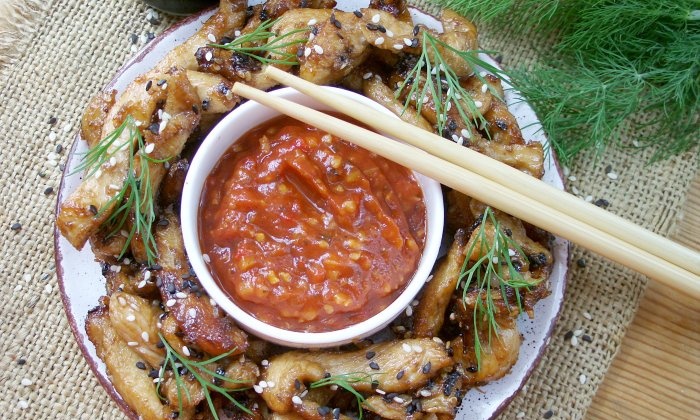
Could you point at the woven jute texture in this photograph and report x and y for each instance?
(76, 48)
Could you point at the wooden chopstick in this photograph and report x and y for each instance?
(489, 192)
(500, 173)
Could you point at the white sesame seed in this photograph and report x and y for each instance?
(478, 104)
(588, 199)
(578, 333)
(170, 303)
(494, 260)
(455, 137)
(157, 380)
(575, 190)
(208, 56)
(398, 46)
(192, 312)
(26, 382)
(145, 336)
(186, 351)
(574, 341)
(312, 36)
(406, 347)
(296, 400)
(206, 258)
(270, 384)
(582, 378)
(612, 175)
(390, 35)
(520, 415)
(132, 344)
(121, 301)
(48, 289)
(380, 391)
(318, 49)
(180, 295)
(304, 393)
(265, 363)
(414, 302)
(425, 393)
(149, 148)
(398, 400)
(262, 384)
(133, 48)
(307, 52)
(211, 37)
(484, 88)
(212, 302)
(257, 389)
(52, 136)
(164, 86)
(408, 42)
(311, 22)
(236, 33)
(141, 284)
(409, 311)
(379, 41)
(367, 75)
(511, 252)
(587, 315)
(449, 106)
(147, 275)
(465, 133)
(430, 277)
(334, 387)
(23, 404)
(18, 288)
(417, 348)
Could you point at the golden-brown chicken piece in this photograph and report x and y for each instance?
(202, 323)
(95, 115)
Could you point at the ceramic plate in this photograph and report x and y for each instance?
(81, 281)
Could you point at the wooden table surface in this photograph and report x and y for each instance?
(657, 371)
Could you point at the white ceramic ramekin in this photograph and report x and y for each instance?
(219, 140)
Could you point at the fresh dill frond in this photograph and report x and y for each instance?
(493, 271)
(181, 366)
(261, 43)
(432, 77)
(136, 196)
(634, 65)
(345, 381)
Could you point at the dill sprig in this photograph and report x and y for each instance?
(615, 65)
(136, 196)
(436, 77)
(345, 381)
(181, 366)
(494, 271)
(262, 43)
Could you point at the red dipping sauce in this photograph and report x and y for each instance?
(307, 232)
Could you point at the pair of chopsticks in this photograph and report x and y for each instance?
(494, 183)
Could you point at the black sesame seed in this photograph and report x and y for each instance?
(414, 42)
(374, 384)
(174, 414)
(21, 362)
(16, 226)
(59, 148)
(205, 105)
(48, 191)
(225, 40)
(153, 373)
(297, 384)
(548, 414)
(587, 338)
(156, 267)
(134, 38)
(160, 345)
(581, 262)
(374, 365)
(335, 22)
(141, 365)
(323, 410)
(601, 202)
(336, 413)
(171, 289)
(150, 36)
(163, 222)
(416, 29)
(568, 335)
(373, 27)
(159, 282)
(357, 13)
(93, 209)
(314, 30)
(195, 109)
(426, 368)
(472, 369)
(62, 166)
(608, 169)
(154, 128)
(369, 355)
(327, 375)
(148, 85)
(52, 120)
(400, 374)
(42, 174)
(161, 82)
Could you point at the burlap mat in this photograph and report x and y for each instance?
(77, 47)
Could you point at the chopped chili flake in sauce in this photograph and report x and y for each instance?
(307, 232)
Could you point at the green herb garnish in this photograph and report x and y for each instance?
(494, 271)
(432, 72)
(272, 44)
(184, 366)
(612, 61)
(345, 381)
(136, 194)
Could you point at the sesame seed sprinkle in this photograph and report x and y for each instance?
(145, 336)
(132, 344)
(208, 56)
(181, 295)
(192, 312)
(478, 104)
(367, 75)
(380, 391)
(425, 393)
(587, 315)
(170, 303)
(398, 46)
(186, 351)
(409, 311)
(307, 52)
(612, 175)
(391, 35)
(318, 49)
(582, 378)
(120, 299)
(211, 37)
(131, 318)
(417, 348)
(257, 389)
(296, 400)
(379, 41)
(206, 258)
(376, 18)
(26, 382)
(408, 42)
(149, 148)
(484, 88)
(52, 136)
(406, 347)
(23, 404)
